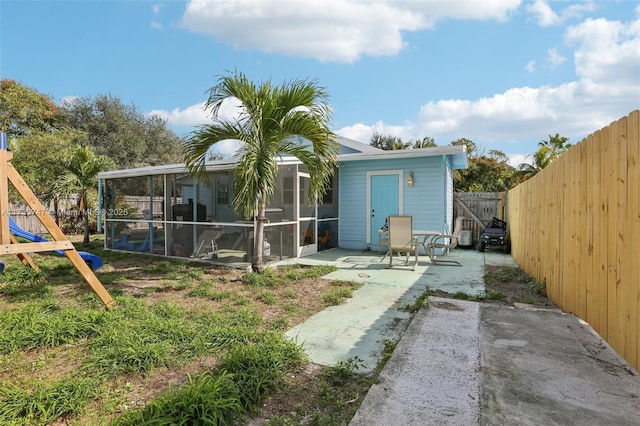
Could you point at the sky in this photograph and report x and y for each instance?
(504, 74)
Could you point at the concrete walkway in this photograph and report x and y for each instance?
(374, 314)
(465, 363)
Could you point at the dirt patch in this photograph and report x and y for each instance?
(507, 285)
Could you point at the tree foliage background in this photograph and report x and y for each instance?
(45, 136)
(489, 172)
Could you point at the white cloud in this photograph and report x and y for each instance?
(330, 30)
(543, 13)
(531, 66)
(193, 115)
(555, 57)
(516, 159)
(196, 115)
(155, 11)
(607, 86)
(545, 16)
(607, 61)
(607, 53)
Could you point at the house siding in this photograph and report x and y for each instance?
(448, 217)
(424, 201)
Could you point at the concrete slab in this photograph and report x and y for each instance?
(362, 325)
(547, 367)
(463, 363)
(433, 376)
(357, 328)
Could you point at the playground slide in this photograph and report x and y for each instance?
(92, 260)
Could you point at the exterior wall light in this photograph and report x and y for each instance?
(410, 179)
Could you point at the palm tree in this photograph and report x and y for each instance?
(388, 142)
(426, 142)
(547, 153)
(526, 171)
(80, 178)
(554, 147)
(270, 119)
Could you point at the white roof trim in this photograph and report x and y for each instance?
(358, 146)
(405, 153)
(367, 152)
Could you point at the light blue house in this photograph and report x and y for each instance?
(162, 210)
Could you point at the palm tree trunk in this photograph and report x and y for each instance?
(257, 264)
(56, 212)
(85, 213)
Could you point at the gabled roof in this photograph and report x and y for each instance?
(349, 150)
(457, 154)
(349, 146)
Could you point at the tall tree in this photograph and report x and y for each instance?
(471, 146)
(23, 110)
(40, 157)
(80, 177)
(486, 172)
(271, 117)
(548, 152)
(528, 170)
(554, 147)
(387, 142)
(122, 133)
(426, 142)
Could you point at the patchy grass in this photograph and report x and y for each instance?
(186, 344)
(506, 285)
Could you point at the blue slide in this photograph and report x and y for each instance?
(92, 260)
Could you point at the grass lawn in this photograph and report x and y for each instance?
(187, 343)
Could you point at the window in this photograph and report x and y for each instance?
(327, 198)
(287, 191)
(222, 184)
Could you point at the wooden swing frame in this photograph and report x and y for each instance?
(9, 243)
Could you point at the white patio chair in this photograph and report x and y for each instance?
(401, 239)
(444, 242)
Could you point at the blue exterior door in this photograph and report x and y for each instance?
(384, 201)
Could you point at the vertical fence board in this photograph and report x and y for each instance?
(581, 243)
(614, 312)
(632, 233)
(603, 228)
(577, 225)
(591, 209)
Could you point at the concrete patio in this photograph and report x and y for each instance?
(373, 315)
(465, 363)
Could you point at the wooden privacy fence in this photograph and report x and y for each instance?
(576, 225)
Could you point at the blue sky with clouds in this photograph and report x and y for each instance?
(505, 74)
